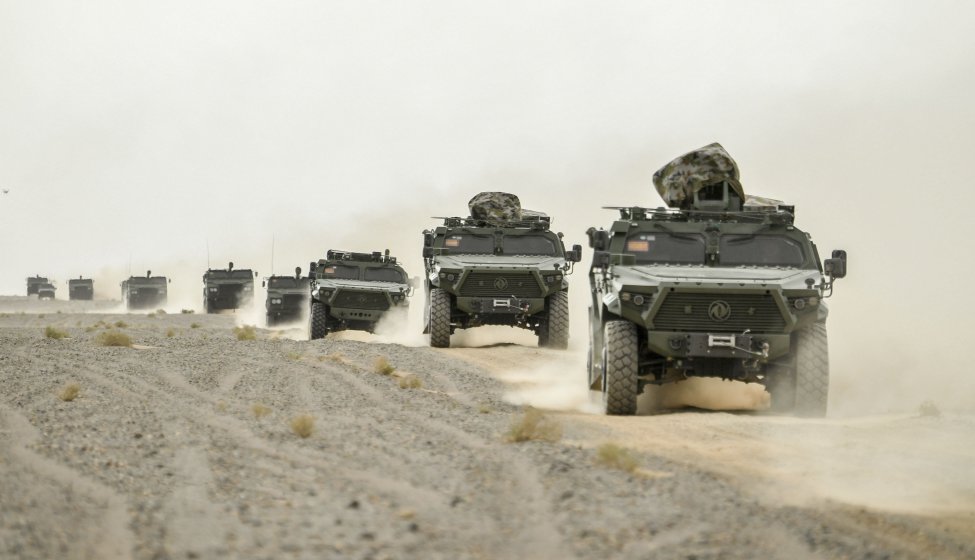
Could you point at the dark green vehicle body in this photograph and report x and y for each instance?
(228, 288)
(34, 282)
(145, 292)
(736, 293)
(497, 273)
(287, 297)
(81, 289)
(45, 290)
(351, 290)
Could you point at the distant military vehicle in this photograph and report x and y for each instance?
(45, 290)
(499, 266)
(354, 290)
(228, 288)
(81, 289)
(287, 297)
(33, 282)
(718, 285)
(145, 292)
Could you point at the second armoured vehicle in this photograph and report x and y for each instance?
(287, 297)
(227, 288)
(499, 266)
(718, 285)
(354, 290)
(45, 290)
(81, 289)
(33, 282)
(145, 292)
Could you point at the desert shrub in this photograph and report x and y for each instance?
(616, 457)
(121, 324)
(194, 325)
(410, 382)
(336, 357)
(303, 425)
(294, 356)
(55, 333)
(69, 392)
(484, 408)
(259, 410)
(382, 366)
(928, 408)
(187, 311)
(170, 332)
(113, 338)
(160, 312)
(533, 425)
(246, 332)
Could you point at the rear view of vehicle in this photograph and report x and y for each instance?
(228, 288)
(287, 297)
(145, 292)
(352, 290)
(81, 289)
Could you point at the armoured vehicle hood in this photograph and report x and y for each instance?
(496, 261)
(334, 283)
(785, 277)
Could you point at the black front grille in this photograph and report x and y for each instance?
(694, 312)
(294, 300)
(361, 300)
(492, 284)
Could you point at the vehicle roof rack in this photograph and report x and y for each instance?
(375, 256)
(781, 214)
(533, 220)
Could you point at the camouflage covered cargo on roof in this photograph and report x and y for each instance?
(499, 206)
(679, 180)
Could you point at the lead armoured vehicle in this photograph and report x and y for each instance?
(81, 289)
(33, 282)
(227, 288)
(287, 297)
(354, 290)
(500, 266)
(45, 290)
(145, 292)
(718, 285)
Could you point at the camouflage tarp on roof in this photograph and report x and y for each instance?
(681, 178)
(495, 206)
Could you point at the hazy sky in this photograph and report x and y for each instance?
(137, 133)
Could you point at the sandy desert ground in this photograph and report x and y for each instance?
(181, 447)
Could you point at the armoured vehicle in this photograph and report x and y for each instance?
(81, 288)
(45, 290)
(287, 297)
(33, 282)
(719, 285)
(227, 288)
(145, 292)
(500, 266)
(354, 290)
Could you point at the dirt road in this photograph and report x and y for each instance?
(182, 448)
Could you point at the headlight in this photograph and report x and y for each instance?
(638, 299)
(625, 296)
(214, 289)
(248, 288)
(275, 301)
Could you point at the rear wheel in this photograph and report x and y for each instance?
(620, 384)
(439, 318)
(553, 332)
(318, 321)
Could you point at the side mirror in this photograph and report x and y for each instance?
(297, 272)
(428, 252)
(263, 283)
(312, 267)
(428, 239)
(598, 239)
(255, 274)
(600, 259)
(575, 255)
(836, 266)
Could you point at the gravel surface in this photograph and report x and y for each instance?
(183, 447)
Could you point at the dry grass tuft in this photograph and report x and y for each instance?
(303, 425)
(410, 382)
(615, 457)
(246, 332)
(170, 332)
(69, 392)
(382, 366)
(160, 312)
(928, 408)
(337, 357)
(113, 338)
(121, 324)
(55, 333)
(534, 426)
(484, 408)
(259, 410)
(296, 356)
(194, 325)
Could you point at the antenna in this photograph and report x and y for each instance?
(272, 254)
(208, 253)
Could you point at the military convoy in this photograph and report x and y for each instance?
(352, 290)
(718, 285)
(500, 266)
(228, 288)
(81, 288)
(287, 297)
(145, 292)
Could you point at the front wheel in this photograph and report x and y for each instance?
(800, 384)
(620, 368)
(318, 321)
(439, 318)
(554, 329)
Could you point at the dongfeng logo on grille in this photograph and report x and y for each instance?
(500, 283)
(719, 311)
(362, 298)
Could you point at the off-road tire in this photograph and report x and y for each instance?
(318, 321)
(812, 371)
(439, 318)
(620, 370)
(270, 320)
(553, 332)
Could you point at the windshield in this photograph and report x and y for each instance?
(283, 282)
(342, 271)
(469, 244)
(223, 274)
(760, 250)
(380, 274)
(530, 245)
(665, 248)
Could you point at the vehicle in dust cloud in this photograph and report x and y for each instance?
(718, 285)
(45, 290)
(145, 292)
(287, 297)
(81, 289)
(354, 291)
(228, 288)
(500, 266)
(34, 282)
